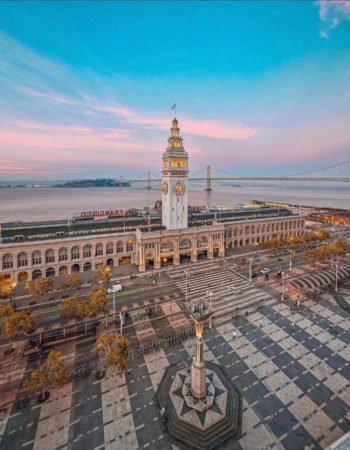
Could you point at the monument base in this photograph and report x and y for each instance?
(200, 423)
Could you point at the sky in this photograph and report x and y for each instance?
(86, 88)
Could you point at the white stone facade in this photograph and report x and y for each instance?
(25, 260)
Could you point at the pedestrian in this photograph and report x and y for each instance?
(260, 323)
(234, 334)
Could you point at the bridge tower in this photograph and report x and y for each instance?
(148, 180)
(174, 182)
(208, 187)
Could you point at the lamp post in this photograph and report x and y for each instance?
(121, 322)
(14, 284)
(336, 278)
(210, 308)
(250, 269)
(290, 260)
(282, 294)
(185, 275)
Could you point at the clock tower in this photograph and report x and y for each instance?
(175, 182)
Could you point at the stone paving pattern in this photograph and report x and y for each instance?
(295, 383)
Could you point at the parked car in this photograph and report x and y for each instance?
(254, 274)
(265, 270)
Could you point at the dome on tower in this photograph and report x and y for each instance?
(175, 123)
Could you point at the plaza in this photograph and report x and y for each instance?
(294, 382)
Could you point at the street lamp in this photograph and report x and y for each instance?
(14, 284)
(290, 260)
(282, 293)
(121, 319)
(185, 275)
(250, 269)
(336, 278)
(210, 294)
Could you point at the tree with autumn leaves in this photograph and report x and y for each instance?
(276, 243)
(39, 287)
(13, 322)
(79, 306)
(73, 281)
(52, 374)
(326, 252)
(112, 348)
(6, 286)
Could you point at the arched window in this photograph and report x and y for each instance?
(75, 268)
(36, 274)
(120, 247)
(50, 272)
(129, 245)
(7, 261)
(99, 250)
(202, 242)
(62, 254)
(185, 244)
(109, 248)
(167, 246)
(87, 251)
(87, 267)
(63, 270)
(75, 252)
(50, 256)
(247, 230)
(36, 258)
(22, 259)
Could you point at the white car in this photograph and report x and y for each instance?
(265, 270)
(114, 288)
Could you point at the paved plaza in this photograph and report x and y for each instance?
(295, 384)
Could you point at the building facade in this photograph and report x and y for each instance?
(29, 251)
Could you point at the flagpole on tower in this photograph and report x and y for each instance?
(173, 108)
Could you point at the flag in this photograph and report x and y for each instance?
(173, 107)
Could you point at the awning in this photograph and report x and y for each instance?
(321, 279)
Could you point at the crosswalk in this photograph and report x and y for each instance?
(231, 294)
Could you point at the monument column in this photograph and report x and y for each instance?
(198, 372)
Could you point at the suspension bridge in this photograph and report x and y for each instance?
(337, 172)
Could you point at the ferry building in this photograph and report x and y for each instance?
(29, 250)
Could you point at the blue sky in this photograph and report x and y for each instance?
(86, 87)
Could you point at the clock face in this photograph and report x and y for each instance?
(179, 188)
(165, 187)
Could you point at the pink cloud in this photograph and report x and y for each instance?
(34, 126)
(68, 140)
(206, 128)
(216, 129)
(47, 95)
(9, 167)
